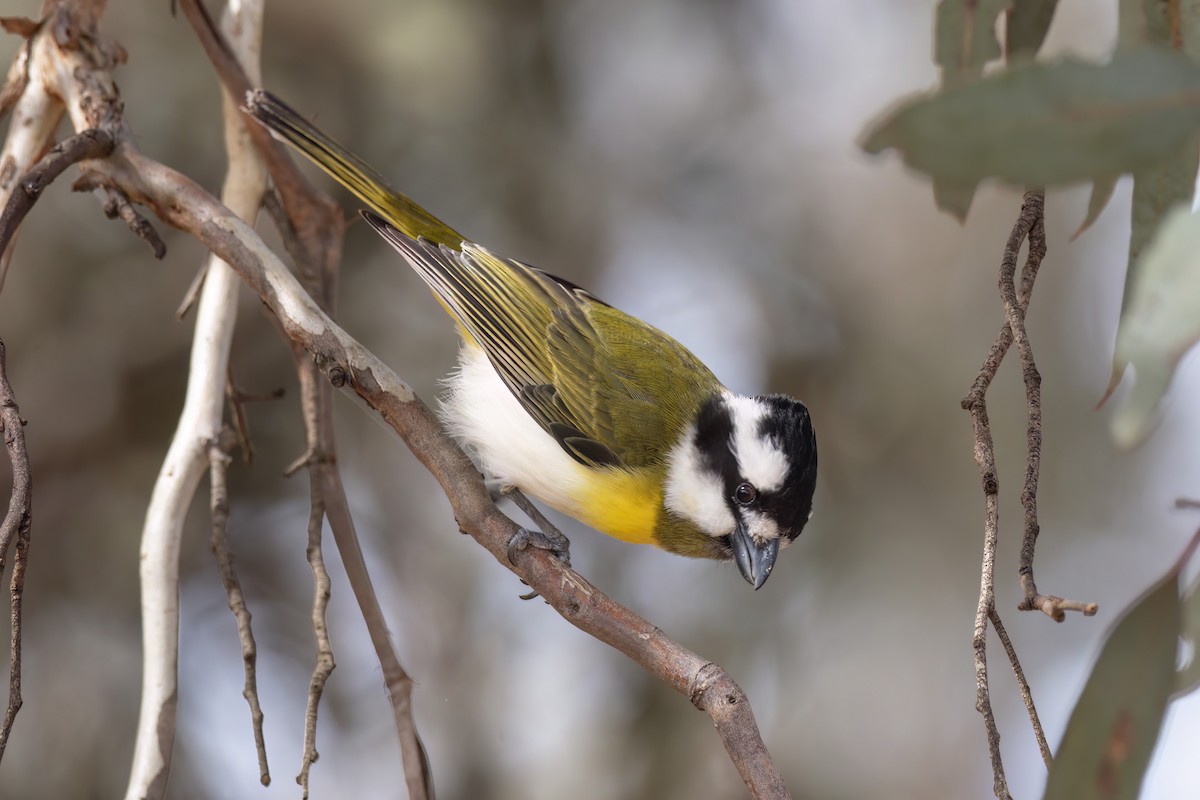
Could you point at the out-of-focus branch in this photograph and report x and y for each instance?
(181, 203)
(218, 465)
(200, 425)
(15, 528)
(1022, 685)
(312, 226)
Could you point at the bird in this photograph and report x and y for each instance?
(594, 412)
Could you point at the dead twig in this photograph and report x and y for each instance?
(324, 665)
(311, 226)
(1014, 309)
(16, 527)
(1023, 685)
(985, 457)
(218, 464)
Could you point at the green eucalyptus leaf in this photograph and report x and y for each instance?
(1046, 124)
(1187, 680)
(1115, 724)
(964, 37)
(1028, 21)
(1160, 321)
(953, 198)
(1102, 191)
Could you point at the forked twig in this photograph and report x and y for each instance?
(1030, 225)
(218, 464)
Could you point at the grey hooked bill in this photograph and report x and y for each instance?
(754, 560)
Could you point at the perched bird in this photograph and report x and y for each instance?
(584, 407)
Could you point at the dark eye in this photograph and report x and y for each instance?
(745, 494)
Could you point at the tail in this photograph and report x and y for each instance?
(349, 170)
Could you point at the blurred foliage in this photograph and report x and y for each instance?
(1115, 725)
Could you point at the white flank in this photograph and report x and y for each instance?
(761, 463)
(694, 492)
(483, 415)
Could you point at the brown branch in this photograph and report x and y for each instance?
(985, 457)
(84, 145)
(86, 86)
(16, 526)
(314, 217)
(1032, 214)
(1023, 685)
(182, 204)
(218, 461)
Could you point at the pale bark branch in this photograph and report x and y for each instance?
(312, 226)
(200, 424)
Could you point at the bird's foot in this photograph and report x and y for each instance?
(552, 542)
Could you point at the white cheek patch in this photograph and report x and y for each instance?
(760, 461)
(695, 493)
(762, 528)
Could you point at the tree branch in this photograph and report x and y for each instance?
(218, 466)
(179, 202)
(200, 424)
(316, 249)
(17, 525)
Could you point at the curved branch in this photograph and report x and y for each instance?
(181, 203)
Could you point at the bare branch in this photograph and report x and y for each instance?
(181, 203)
(1023, 685)
(324, 661)
(16, 526)
(218, 464)
(87, 144)
(985, 457)
(1034, 223)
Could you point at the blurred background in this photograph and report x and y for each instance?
(693, 163)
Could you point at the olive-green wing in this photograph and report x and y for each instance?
(610, 389)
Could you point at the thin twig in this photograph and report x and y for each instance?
(17, 525)
(84, 145)
(311, 227)
(986, 459)
(193, 292)
(324, 665)
(985, 456)
(218, 464)
(1023, 685)
(117, 206)
(1014, 308)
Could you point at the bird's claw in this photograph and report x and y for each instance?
(554, 542)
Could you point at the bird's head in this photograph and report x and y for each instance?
(744, 474)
